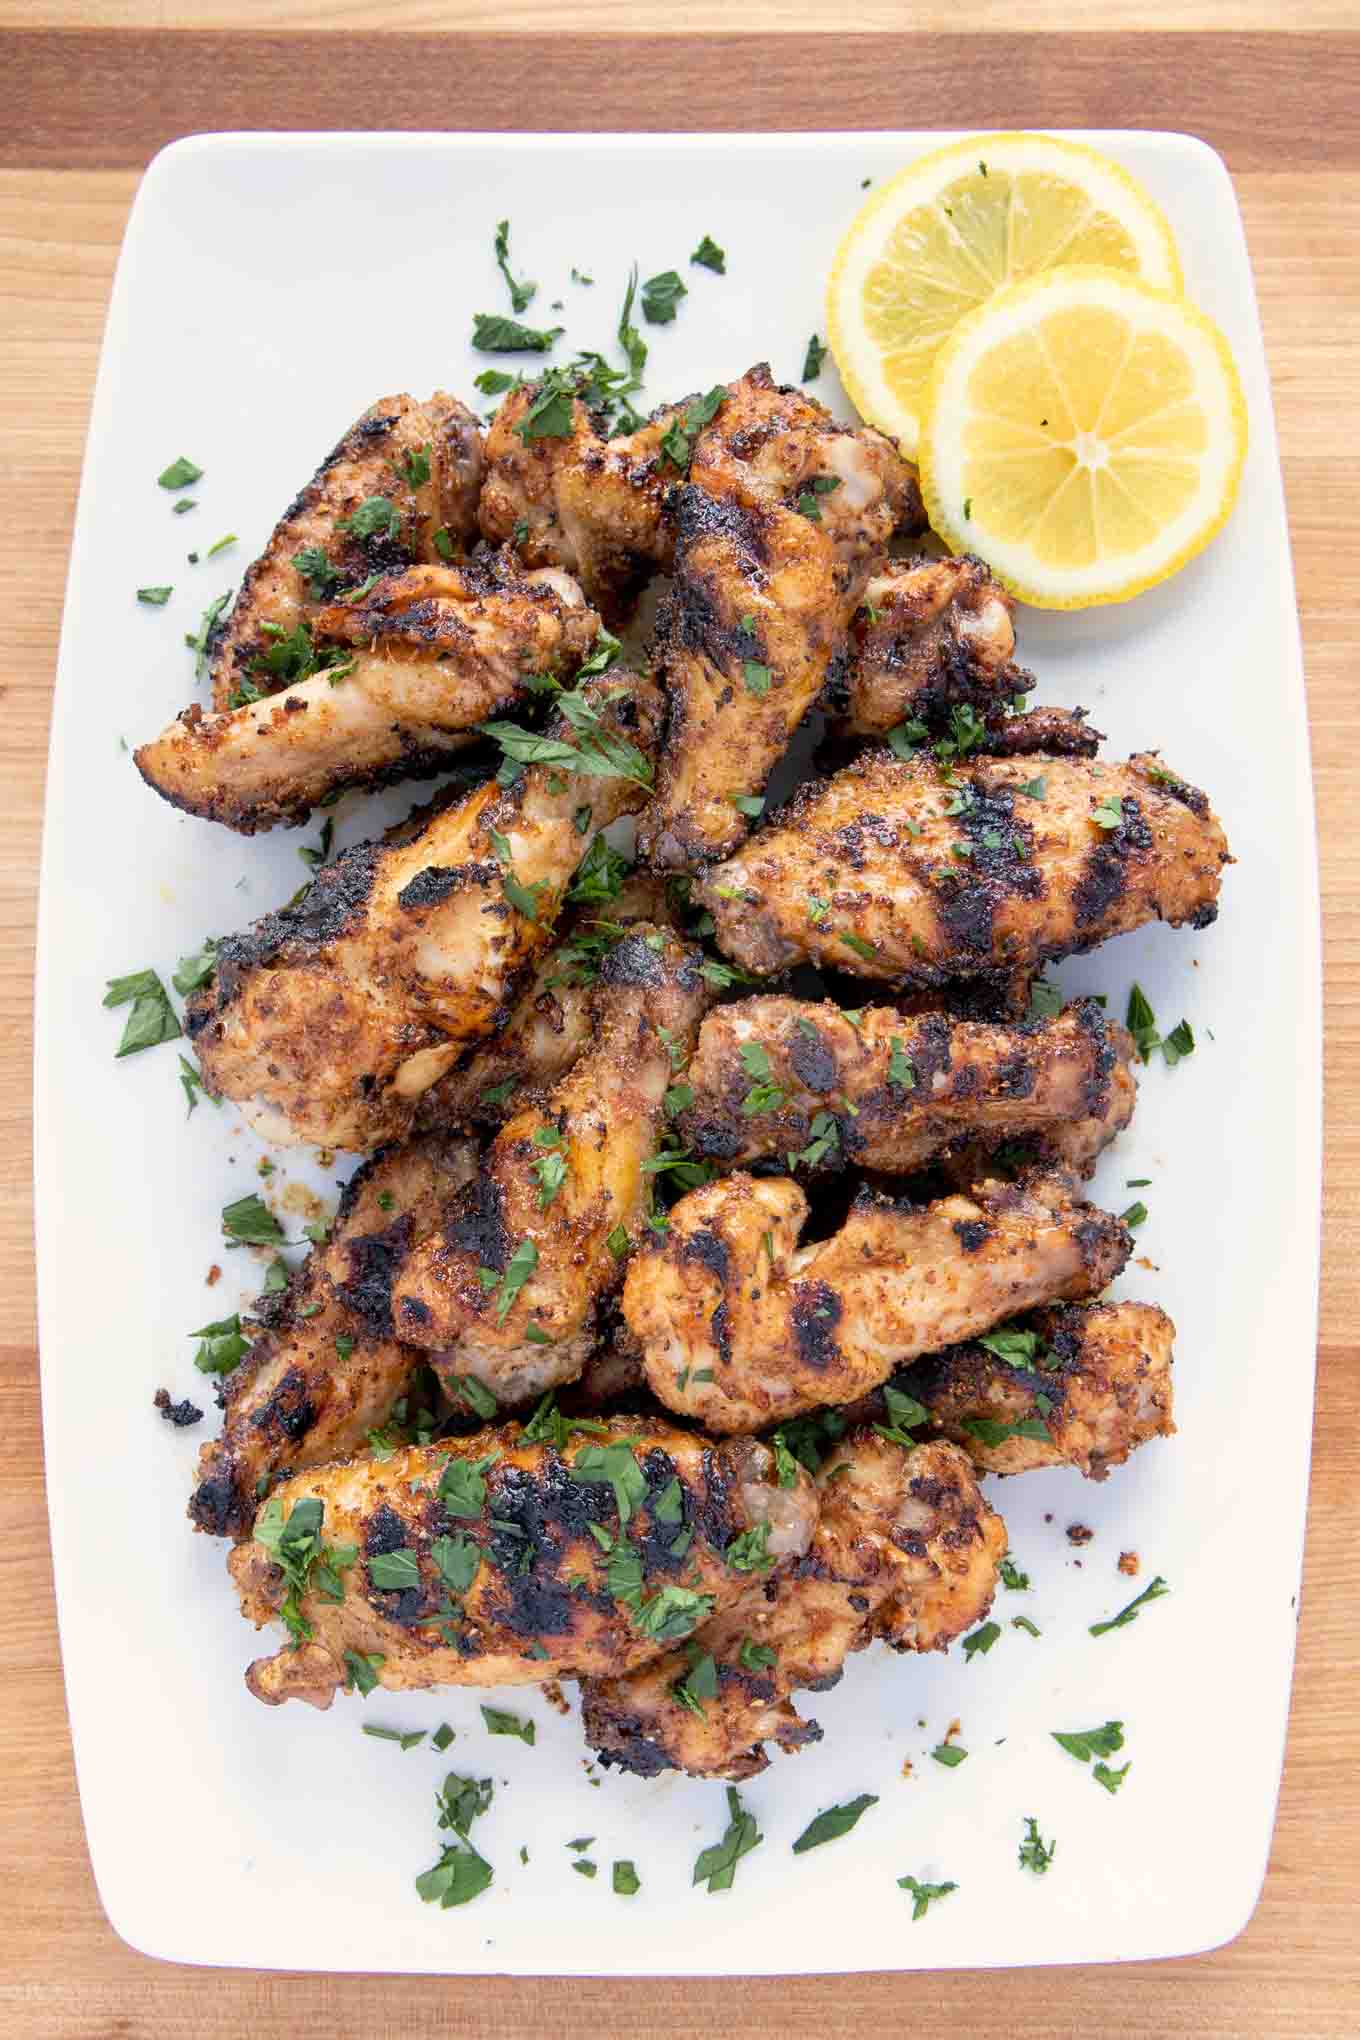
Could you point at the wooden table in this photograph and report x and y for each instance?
(91, 88)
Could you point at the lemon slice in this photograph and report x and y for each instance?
(954, 227)
(1084, 434)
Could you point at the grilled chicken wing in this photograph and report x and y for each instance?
(429, 654)
(327, 1020)
(905, 1546)
(401, 487)
(579, 501)
(774, 531)
(553, 1023)
(740, 1327)
(928, 635)
(561, 1193)
(1094, 1385)
(788, 1077)
(907, 871)
(492, 1560)
(326, 1368)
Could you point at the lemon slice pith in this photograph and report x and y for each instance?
(1085, 434)
(959, 224)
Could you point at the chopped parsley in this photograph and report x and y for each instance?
(294, 1543)
(460, 1874)
(981, 1641)
(155, 598)
(700, 1683)
(1111, 1780)
(250, 1221)
(924, 1895)
(598, 753)
(457, 1560)
(318, 571)
(519, 1268)
(677, 443)
(1085, 1743)
(394, 1572)
(1152, 1592)
(192, 971)
(867, 950)
(717, 1864)
(710, 256)
(661, 295)
(825, 1134)
(191, 1077)
(900, 1071)
(1109, 813)
(152, 1019)
(1023, 1622)
(748, 1553)
(1015, 1581)
(179, 474)
(835, 1822)
(813, 359)
(462, 1485)
(1035, 1853)
(1134, 1214)
(617, 1465)
(499, 1722)
(521, 294)
(754, 1657)
(991, 1431)
(949, 1754)
(626, 1881)
(221, 1346)
(199, 641)
(1045, 1001)
(493, 334)
(755, 677)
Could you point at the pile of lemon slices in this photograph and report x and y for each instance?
(1010, 309)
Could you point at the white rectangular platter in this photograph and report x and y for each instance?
(270, 288)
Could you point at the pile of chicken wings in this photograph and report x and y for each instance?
(722, 1219)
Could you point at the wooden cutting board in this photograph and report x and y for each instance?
(85, 104)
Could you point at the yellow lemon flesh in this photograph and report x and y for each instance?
(1084, 434)
(958, 225)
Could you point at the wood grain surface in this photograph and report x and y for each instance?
(88, 92)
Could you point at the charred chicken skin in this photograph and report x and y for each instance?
(399, 489)
(325, 1366)
(740, 1327)
(506, 1290)
(775, 529)
(423, 657)
(1082, 1386)
(494, 1560)
(802, 1081)
(327, 1020)
(911, 872)
(905, 1547)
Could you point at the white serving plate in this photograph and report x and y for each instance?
(269, 288)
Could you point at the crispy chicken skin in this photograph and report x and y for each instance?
(741, 1328)
(887, 1092)
(579, 501)
(782, 512)
(327, 1020)
(395, 440)
(326, 1368)
(553, 1023)
(590, 1143)
(538, 1594)
(433, 652)
(910, 872)
(928, 635)
(905, 1546)
(1104, 1377)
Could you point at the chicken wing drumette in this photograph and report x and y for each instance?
(905, 1547)
(501, 1560)
(400, 488)
(506, 1290)
(740, 1327)
(1082, 1386)
(327, 1020)
(554, 1021)
(325, 1366)
(412, 667)
(800, 1080)
(574, 499)
(783, 511)
(912, 872)
(928, 635)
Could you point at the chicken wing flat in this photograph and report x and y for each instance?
(327, 1020)
(1083, 1386)
(740, 1327)
(928, 636)
(401, 487)
(554, 1021)
(801, 1080)
(501, 1560)
(903, 1537)
(428, 654)
(328, 1367)
(574, 499)
(783, 511)
(506, 1290)
(915, 872)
